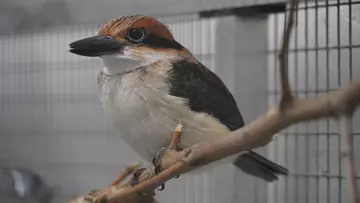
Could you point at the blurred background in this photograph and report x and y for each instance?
(55, 143)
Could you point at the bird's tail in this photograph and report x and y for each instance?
(256, 165)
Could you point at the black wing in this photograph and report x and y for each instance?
(205, 92)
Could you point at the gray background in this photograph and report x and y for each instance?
(51, 121)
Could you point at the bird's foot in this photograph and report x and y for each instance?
(173, 146)
(135, 179)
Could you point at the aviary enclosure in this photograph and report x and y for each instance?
(51, 121)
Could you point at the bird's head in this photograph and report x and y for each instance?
(130, 41)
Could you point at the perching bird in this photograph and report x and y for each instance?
(150, 83)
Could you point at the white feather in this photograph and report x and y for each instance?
(111, 64)
(146, 115)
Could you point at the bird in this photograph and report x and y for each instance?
(149, 83)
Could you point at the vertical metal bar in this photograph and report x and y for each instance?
(350, 50)
(256, 188)
(276, 34)
(339, 84)
(350, 39)
(2, 65)
(317, 88)
(14, 73)
(306, 95)
(296, 88)
(189, 34)
(327, 89)
(29, 65)
(46, 75)
(191, 21)
(285, 133)
(203, 35)
(204, 177)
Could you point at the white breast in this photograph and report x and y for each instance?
(146, 115)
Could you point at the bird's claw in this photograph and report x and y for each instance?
(157, 163)
(157, 159)
(173, 146)
(135, 179)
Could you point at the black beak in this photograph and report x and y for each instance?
(95, 46)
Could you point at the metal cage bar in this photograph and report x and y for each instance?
(39, 101)
(321, 59)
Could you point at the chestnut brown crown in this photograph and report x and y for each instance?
(120, 28)
(137, 36)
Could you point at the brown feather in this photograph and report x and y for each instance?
(118, 28)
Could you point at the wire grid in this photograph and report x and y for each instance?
(51, 120)
(323, 56)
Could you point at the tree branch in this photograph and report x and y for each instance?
(287, 96)
(345, 127)
(256, 134)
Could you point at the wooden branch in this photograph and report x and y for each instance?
(128, 170)
(102, 196)
(345, 127)
(287, 96)
(258, 133)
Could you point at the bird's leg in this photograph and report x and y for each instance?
(173, 146)
(135, 179)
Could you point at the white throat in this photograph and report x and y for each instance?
(114, 64)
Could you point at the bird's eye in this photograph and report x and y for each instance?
(136, 35)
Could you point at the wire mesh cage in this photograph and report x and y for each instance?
(51, 120)
(49, 104)
(322, 58)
